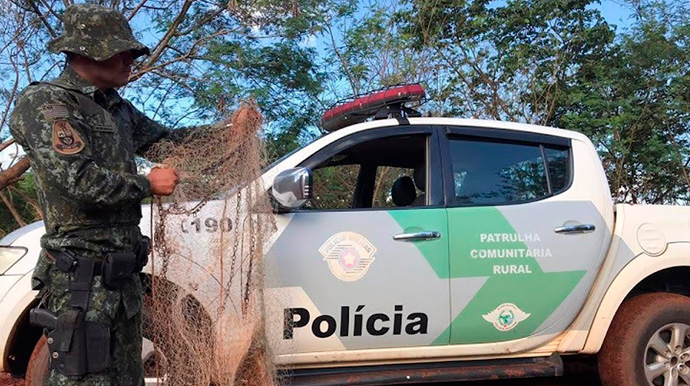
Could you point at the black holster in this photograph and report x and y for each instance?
(77, 347)
(142, 253)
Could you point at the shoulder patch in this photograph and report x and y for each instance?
(54, 111)
(66, 140)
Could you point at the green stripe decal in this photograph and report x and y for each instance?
(518, 280)
(484, 244)
(434, 251)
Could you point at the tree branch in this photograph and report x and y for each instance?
(14, 172)
(42, 17)
(6, 144)
(13, 210)
(136, 9)
(169, 34)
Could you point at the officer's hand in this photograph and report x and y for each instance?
(163, 181)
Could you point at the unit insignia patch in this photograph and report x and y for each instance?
(506, 316)
(348, 255)
(66, 140)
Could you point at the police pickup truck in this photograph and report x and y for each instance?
(452, 249)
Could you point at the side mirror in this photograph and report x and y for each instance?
(292, 188)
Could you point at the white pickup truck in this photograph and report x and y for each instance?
(452, 249)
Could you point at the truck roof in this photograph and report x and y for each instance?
(301, 154)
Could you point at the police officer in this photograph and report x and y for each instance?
(81, 138)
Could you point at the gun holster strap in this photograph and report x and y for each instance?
(80, 285)
(77, 346)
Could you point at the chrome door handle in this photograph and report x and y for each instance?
(582, 228)
(416, 236)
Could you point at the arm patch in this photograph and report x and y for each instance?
(54, 111)
(66, 140)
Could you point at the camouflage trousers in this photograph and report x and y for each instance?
(126, 368)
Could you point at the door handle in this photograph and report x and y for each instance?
(581, 228)
(416, 236)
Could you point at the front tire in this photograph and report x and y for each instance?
(37, 371)
(648, 343)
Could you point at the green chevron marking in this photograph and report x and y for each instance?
(525, 285)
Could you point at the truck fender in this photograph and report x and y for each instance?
(677, 254)
(18, 301)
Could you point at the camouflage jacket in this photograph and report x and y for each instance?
(82, 143)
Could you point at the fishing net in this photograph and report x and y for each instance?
(204, 311)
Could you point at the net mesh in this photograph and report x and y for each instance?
(204, 311)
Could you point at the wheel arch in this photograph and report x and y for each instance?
(644, 274)
(17, 335)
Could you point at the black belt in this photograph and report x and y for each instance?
(68, 262)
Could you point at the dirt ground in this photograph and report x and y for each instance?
(8, 380)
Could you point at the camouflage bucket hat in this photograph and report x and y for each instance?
(96, 32)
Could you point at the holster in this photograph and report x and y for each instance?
(78, 347)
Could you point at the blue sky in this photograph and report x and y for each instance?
(614, 11)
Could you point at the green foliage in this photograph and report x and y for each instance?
(510, 61)
(633, 104)
(557, 62)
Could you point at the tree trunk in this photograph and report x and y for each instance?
(14, 173)
(15, 213)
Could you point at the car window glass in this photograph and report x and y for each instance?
(383, 172)
(386, 177)
(334, 187)
(496, 172)
(557, 159)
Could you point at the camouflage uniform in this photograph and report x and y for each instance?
(82, 142)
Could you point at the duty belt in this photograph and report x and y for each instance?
(67, 262)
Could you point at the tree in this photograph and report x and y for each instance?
(506, 62)
(558, 63)
(206, 55)
(634, 105)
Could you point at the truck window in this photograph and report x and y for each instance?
(388, 172)
(557, 161)
(499, 172)
(336, 187)
(383, 187)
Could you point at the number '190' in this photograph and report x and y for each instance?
(209, 225)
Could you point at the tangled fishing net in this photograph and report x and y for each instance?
(208, 237)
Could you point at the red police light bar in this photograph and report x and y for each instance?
(363, 107)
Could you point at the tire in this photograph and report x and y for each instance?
(37, 371)
(648, 343)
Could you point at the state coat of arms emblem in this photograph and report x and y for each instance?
(348, 255)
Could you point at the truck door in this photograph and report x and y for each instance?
(526, 237)
(366, 264)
